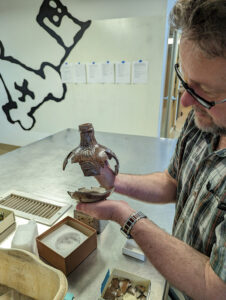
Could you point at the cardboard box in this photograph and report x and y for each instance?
(8, 224)
(98, 225)
(132, 249)
(135, 280)
(69, 262)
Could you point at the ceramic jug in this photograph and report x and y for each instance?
(90, 155)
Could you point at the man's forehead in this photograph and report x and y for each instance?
(202, 69)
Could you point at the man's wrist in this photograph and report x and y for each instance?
(121, 216)
(119, 185)
(116, 182)
(130, 222)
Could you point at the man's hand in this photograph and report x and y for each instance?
(106, 177)
(114, 210)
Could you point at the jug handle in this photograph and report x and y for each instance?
(111, 154)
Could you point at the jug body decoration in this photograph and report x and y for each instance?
(91, 157)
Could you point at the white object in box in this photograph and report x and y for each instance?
(135, 280)
(64, 240)
(132, 249)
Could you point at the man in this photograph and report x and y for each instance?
(194, 258)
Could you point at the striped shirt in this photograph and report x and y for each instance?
(200, 170)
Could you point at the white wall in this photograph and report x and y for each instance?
(108, 9)
(126, 29)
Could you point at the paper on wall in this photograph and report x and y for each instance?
(107, 72)
(79, 73)
(122, 72)
(139, 71)
(67, 73)
(93, 72)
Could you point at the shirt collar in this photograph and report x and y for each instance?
(212, 141)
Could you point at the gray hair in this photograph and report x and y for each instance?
(204, 22)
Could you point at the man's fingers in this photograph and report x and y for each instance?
(81, 206)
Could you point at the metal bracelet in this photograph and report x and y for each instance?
(130, 222)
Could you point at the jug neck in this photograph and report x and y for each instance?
(87, 138)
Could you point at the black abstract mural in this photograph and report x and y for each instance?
(23, 91)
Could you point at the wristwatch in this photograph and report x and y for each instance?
(130, 222)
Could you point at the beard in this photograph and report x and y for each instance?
(205, 122)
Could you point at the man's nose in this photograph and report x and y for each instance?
(187, 99)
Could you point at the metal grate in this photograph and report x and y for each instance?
(29, 207)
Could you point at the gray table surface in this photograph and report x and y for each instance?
(37, 169)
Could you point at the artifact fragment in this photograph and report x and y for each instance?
(91, 195)
(124, 285)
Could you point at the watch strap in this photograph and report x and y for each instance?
(130, 222)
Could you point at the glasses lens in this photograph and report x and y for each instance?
(199, 100)
(203, 102)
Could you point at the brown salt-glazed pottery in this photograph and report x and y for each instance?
(91, 157)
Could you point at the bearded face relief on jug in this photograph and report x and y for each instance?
(91, 156)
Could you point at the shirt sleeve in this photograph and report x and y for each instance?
(218, 254)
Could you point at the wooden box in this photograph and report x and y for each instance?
(69, 262)
(8, 224)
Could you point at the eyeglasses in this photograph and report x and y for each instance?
(199, 99)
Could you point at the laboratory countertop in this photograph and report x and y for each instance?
(37, 169)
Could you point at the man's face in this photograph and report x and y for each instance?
(207, 76)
